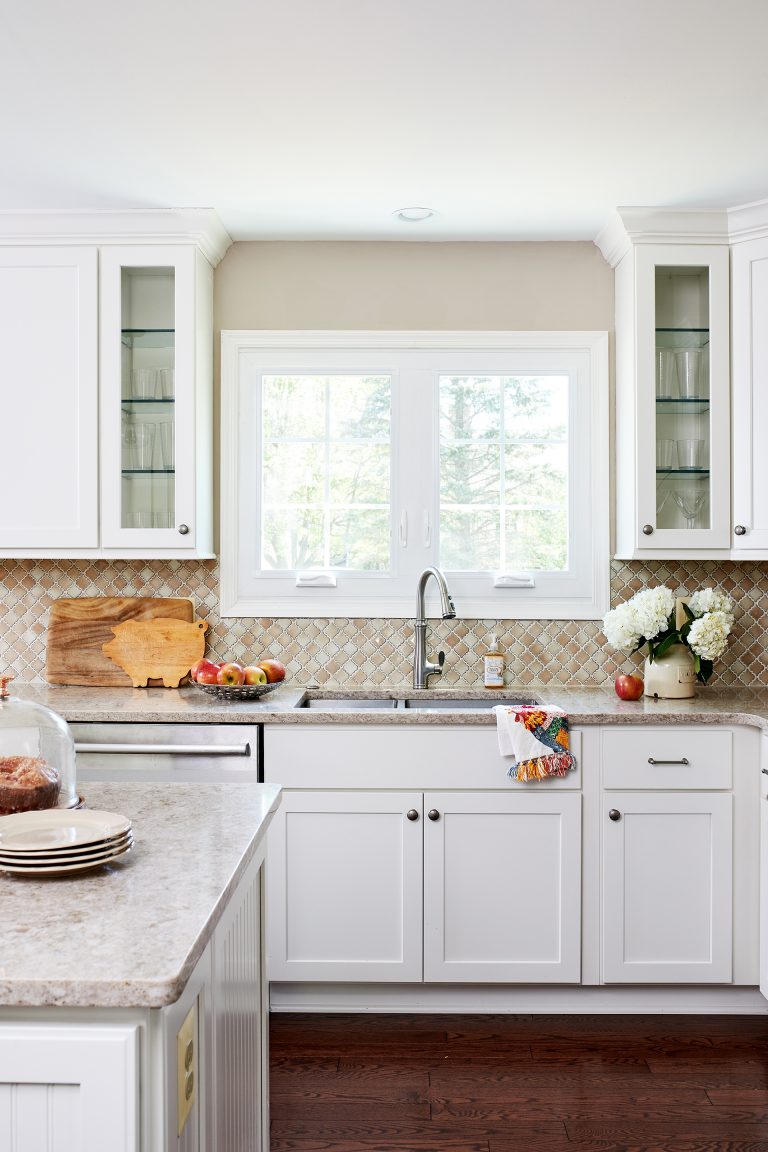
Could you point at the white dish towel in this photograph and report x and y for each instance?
(537, 738)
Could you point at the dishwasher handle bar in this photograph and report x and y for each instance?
(166, 749)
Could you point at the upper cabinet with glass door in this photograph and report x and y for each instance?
(155, 431)
(672, 401)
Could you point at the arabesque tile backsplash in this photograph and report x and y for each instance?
(378, 652)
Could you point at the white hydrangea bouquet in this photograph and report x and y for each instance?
(650, 618)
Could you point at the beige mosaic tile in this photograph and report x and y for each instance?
(379, 651)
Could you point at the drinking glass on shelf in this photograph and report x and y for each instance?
(665, 453)
(166, 383)
(690, 453)
(690, 504)
(145, 444)
(665, 373)
(144, 383)
(166, 445)
(129, 447)
(688, 362)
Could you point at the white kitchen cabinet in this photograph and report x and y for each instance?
(667, 887)
(345, 886)
(672, 400)
(502, 887)
(749, 271)
(106, 338)
(366, 885)
(49, 356)
(155, 387)
(72, 1088)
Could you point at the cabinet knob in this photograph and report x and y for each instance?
(433, 814)
(183, 529)
(614, 814)
(412, 814)
(740, 530)
(647, 529)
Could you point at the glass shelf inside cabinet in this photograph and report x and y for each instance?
(694, 472)
(148, 337)
(682, 337)
(680, 406)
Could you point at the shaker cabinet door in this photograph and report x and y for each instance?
(48, 352)
(667, 887)
(502, 887)
(345, 887)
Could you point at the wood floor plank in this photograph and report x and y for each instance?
(289, 1106)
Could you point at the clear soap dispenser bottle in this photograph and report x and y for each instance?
(493, 664)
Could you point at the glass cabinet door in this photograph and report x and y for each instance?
(148, 397)
(147, 392)
(684, 456)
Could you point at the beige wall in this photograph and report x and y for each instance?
(413, 285)
(306, 285)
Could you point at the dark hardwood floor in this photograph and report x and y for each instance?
(518, 1083)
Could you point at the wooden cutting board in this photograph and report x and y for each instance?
(160, 649)
(79, 627)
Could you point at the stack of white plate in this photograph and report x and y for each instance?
(59, 840)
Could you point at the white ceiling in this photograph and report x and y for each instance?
(316, 119)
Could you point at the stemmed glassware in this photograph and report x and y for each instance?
(690, 504)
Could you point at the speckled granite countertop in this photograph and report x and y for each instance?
(129, 933)
(585, 706)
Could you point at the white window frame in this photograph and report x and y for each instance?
(415, 360)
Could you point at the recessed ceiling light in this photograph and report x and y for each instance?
(414, 215)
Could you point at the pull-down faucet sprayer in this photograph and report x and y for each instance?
(422, 669)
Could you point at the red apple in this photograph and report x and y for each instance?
(205, 672)
(629, 687)
(275, 671)
(254, 675)
(231, 674)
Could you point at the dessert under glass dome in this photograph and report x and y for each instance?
(37, 756)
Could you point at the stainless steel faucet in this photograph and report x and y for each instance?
(422, 669)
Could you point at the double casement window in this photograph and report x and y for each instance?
(353, 460)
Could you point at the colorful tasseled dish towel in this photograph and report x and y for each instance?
(537, 738)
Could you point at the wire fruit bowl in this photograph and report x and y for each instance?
(237, 691)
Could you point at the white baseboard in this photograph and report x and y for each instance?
(632, 999)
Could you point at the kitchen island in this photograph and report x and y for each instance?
(134, 993)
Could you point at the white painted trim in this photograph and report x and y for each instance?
(721, 1000)
(198, 226)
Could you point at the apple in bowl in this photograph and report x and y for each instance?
(205, 672)
(231, 674)
(274, 670)
(254, 674)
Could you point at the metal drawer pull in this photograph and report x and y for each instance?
(433, 814)
(166, 749)
(412, 814)
(764, 771)
(684, 760)
(614, 814)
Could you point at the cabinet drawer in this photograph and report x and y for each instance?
(627, 754)
(412, 756)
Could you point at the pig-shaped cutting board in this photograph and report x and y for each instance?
(157, 649)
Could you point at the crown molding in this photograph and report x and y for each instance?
(748, 221)
(198, 226)
(631, 226)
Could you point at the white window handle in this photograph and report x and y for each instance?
(427, 529)
(403, 530)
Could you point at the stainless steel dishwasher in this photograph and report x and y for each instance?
(186, 753)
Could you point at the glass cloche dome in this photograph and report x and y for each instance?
(37, 756)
